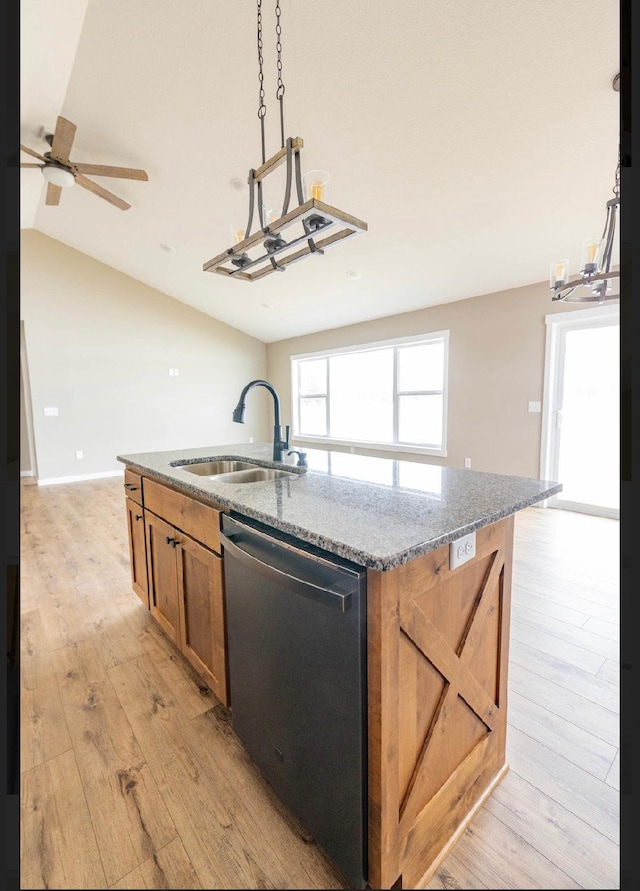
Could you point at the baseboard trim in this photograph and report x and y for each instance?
(80, 478)
(26, 473)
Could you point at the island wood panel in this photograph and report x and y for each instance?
(163, 583)
(438, 654)
(201, 602)
(200, 521)
(137, 550)
(133, 485)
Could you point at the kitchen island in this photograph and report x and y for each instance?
(437, 547)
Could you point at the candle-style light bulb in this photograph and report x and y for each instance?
(314, 183)
(237, 233)
(268, 215)
(559, 274)
(590, 262)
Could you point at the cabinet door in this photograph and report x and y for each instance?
(137, 550)
(163, 586)
(202, 613)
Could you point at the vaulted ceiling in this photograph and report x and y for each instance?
(477, 140)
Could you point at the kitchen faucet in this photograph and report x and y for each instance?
(280, 444)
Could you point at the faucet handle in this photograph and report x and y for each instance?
(285, 444)
(302, 457)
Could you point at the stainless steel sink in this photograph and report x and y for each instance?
(231, 470)
(258, 474)
(213, 468)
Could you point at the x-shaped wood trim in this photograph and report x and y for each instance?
(460, 680)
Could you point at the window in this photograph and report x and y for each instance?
(391, 395)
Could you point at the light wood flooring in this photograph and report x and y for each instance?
(131, 776)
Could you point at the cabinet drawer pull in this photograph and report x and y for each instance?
(138, 516)
(130, 486)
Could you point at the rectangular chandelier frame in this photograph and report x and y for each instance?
(312, 219)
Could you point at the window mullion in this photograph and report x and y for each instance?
(396, 407)
(420, 393)
(299, 367)
(328, 396)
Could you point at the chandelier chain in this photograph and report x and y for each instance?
(262, 108)
(280, 85)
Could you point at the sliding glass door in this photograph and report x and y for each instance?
(581, 436)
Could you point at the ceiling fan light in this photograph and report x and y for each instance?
(58, 176)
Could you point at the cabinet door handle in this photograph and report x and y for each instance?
(130, 486)
(138, 516)
(172, 541)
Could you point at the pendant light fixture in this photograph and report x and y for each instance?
(594, 283)
(306, 230)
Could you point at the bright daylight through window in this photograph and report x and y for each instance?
(392, 394)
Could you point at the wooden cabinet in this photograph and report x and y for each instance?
(187, 600)
(133, 485)
(163, 585)
(137, 550)
(176, 570)
(438, 642)
(201, 603)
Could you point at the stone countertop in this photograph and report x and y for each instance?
(377, 512)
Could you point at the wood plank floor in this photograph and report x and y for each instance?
(131, 776)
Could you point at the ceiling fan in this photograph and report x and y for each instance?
(60, 171)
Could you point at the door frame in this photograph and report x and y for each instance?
(28, 406)
(557, 324)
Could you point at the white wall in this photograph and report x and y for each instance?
(99, 345)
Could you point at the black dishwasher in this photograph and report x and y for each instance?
(296, 625)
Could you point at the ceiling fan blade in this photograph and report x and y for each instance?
(63, 140)
(101, 170)
(53, 194)
(102, 193)
(31, 152)
(32, 165)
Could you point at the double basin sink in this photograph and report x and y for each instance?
(231, 470)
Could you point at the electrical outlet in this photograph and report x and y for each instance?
(534, 406)
(251, 439)
(51, 412)
(174, 372)
(79, 456)
(462, 550)
(467, 462)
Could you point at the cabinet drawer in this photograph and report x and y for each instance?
(133, 485)
(200, 521)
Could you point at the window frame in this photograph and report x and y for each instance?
(394, 343)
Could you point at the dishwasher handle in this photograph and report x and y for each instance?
(329, 596)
